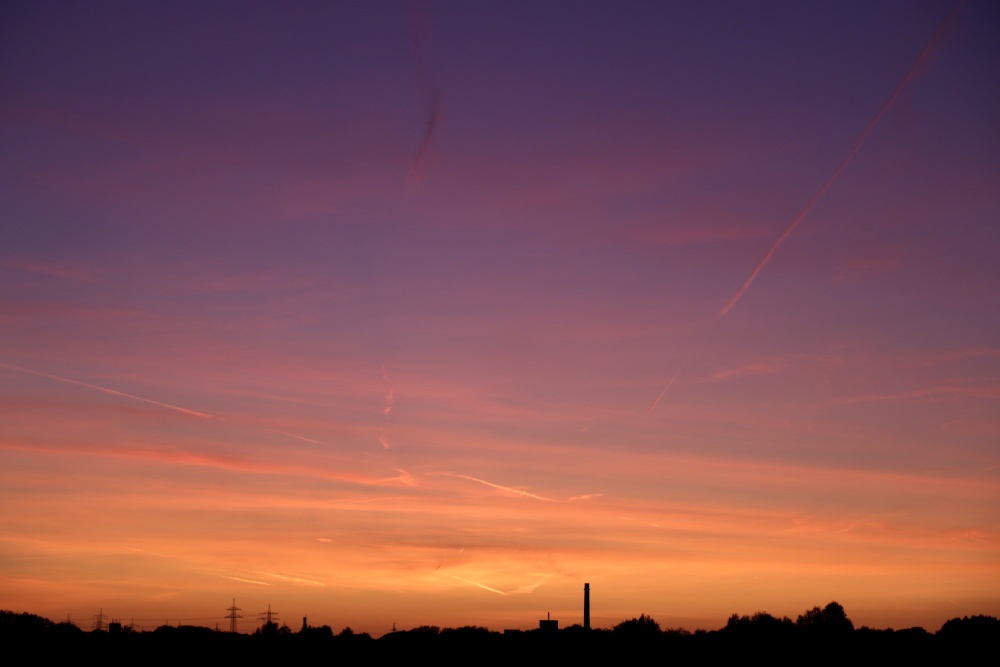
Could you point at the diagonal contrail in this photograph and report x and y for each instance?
(390, 397)
(433, 117)
(662, 393)
(475, 583)
(911, 73)
(111, 391)
(115, 392)
(428, 91)
(508, 489)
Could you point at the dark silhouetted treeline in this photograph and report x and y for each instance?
(820, 635)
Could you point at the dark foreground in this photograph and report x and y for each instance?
(761, 638)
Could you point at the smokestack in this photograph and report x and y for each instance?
(586, 606)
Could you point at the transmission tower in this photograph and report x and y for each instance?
(270, 616)
(233, 616)
(99, 620)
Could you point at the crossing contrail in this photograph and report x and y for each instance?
(911, 73)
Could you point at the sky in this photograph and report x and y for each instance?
(428, 313)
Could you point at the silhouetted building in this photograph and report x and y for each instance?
(547, 623)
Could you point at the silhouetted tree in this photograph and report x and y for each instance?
(321, 633)
(644, 626)
(761, 625)
(23, 623)
(830, 620)
(972, 628)
(349, 634)
(466, 631)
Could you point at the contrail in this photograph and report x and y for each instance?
(911, 73)
(111, 391)
(246, 581)
(475, 583)
(508, 489)
(115, 392)
(291, 435)
(294, 580)
(653, 405)
(433, 117)
(390, 396)
(428, 91)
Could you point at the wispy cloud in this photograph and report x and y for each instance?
(404, 478)
(987, 392)
(193, 458)
(293, 580)
(68, 271)
(390, 395)
(755, 368)
(857, 268)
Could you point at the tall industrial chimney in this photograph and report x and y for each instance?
(586, 606)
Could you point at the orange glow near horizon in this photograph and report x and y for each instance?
(278, 325)
(153, 528)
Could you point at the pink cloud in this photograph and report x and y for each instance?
(68, 270)
(855, 269)
(986, 392)
(755, 368)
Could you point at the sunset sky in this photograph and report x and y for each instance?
(380, 312)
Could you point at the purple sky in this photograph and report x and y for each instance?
(423, 268)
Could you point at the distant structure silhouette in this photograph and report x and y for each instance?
(547, 623)
(586, 606)
(233, 616)
(269, 617)
(99, 619)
